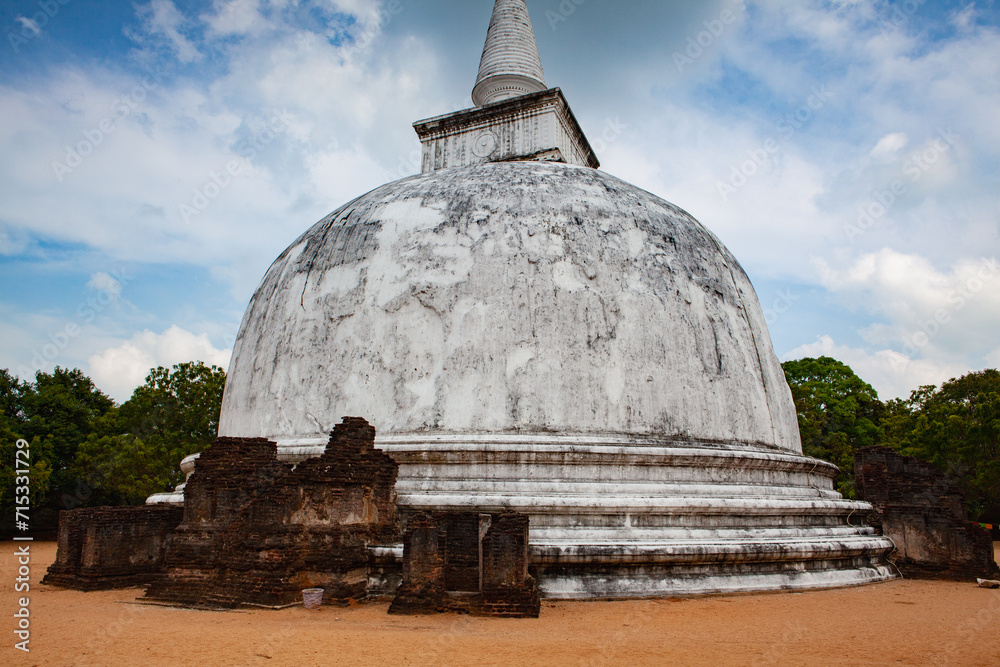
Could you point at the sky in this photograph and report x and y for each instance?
(157, 155)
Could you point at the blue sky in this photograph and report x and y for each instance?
(158, 155)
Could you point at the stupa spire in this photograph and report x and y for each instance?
(510, 66)
(516, 116)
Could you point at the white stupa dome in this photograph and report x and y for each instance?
(513, 297)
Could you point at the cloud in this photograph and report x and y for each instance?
(105, 283)
(119, 370)
(13, 242)
(889, 146)
(893, 375)
(236, 17)
(925, 311)
(162, 19)
(29, 24)
(116, 161)
(965, 19)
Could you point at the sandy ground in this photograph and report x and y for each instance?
(900, 622)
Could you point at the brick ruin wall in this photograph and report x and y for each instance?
(468, 563)
(258, 531)
(922, 511)
(102, 548)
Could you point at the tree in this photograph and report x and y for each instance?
(11, 430)
(55, 414)
(838, 413)
(136, 451)
(957, 428)
(61, 410)
(11, 399)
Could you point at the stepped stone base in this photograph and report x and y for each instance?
(622, 517)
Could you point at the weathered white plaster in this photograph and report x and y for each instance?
(509, 297)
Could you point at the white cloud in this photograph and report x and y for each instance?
(888, 147)
(119, 370)
(105, 283)
(13, 242)
(163, 19)
(893, 375)
(236, 17)
(121, 191)
(936, 314)
(29, 24)
(965, 19)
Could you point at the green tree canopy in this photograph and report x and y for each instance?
(957, 428)
(136, 451)
(55, 414)
(87, 451)
(838, 413)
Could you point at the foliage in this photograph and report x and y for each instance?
(12, 430)
(957, 428)
(87, 451)
(838, 413)
(61, 410)
(54, 414)
(136, 451)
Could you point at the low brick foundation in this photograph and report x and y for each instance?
(101, 548)
(466, 563)
(922, 511)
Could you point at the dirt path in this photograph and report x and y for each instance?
(901, 622)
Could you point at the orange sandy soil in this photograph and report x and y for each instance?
(900, 622)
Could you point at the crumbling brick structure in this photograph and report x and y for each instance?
(256, 531)
(468, 563)
(102, 548)
(922, 511)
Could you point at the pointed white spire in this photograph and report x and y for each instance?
(510, 66)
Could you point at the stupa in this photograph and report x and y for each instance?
(529, 333)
